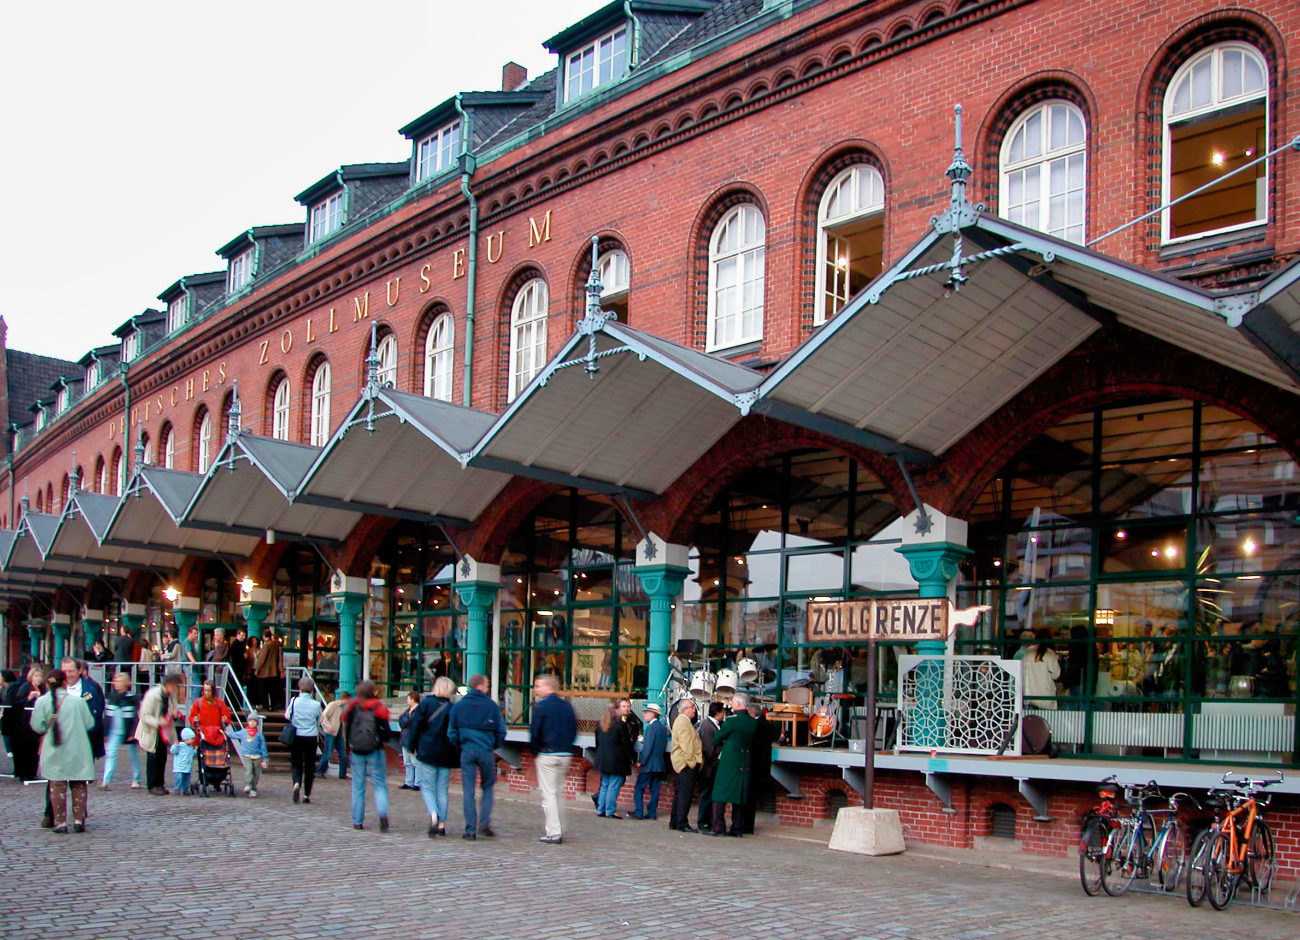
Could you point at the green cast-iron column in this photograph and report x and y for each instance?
(662, 570)
(185, 611)
(348, 605)
(255, 606)
(92, 626)
(61, 624)
(477, 585)
(933, 558)
(35, 637)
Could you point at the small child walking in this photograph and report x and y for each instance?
(252, 752)
(408, 757)
(183, 761)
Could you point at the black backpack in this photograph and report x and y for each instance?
(363, 731)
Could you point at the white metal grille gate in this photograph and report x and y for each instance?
(959, 704)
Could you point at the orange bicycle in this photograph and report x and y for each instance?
(1238, 845)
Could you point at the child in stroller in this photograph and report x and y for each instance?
(214, 768)
(210, 716)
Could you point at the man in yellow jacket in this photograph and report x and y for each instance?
(687, 756)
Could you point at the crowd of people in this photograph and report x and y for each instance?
(58, 722)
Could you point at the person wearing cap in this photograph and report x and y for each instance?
(155, 729)
(688, 758)
(183, 761)
(654, 742)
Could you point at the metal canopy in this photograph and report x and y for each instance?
(148, 516)
(83, 525)
(639, 413)
(31, 541)
(380, 460)
(250, 489)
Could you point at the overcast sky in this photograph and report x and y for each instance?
(139, 137)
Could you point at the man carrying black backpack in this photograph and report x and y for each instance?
(365, 727)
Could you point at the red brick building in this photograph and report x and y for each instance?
(1106, 437)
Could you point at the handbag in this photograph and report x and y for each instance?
(290, 733)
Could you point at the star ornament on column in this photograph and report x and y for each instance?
(923, 523)
(650, 550)
(464, 567)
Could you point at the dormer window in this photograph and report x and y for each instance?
(61, 400)
(41, 419)
(438, 151)
(92, 374)
(595, 64)
(240, 274)
(178, 312)
(326, 217)
(131, 346)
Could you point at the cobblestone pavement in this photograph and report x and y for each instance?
(167, 867)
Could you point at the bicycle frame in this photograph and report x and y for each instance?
(1230, 823)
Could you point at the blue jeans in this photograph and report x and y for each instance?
(647, 780)
(368, 765)
(333, 742)
(116, 741)
(408, 768)
(607, 798)
(433, 783)
(181, 781)
(481, 767)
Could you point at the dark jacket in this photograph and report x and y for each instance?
(760, 755)
(93, 695)
(614, 749)
(731, 781)
(554, 727)
(709, 748)
(123, 649)
(476, 723)
(653, 748)
(381, 718)
(428, 733)
(237, 656)
(126, 707)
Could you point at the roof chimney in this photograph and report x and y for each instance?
(513, 75)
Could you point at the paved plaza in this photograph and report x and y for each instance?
(155, 867)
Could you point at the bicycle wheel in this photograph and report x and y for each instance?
(1261, 859)
(1092, 855)
(1171, 857)
(1124, 848)
(1223, 880)
(1199, 867)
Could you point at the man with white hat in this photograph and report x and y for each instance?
(654, 743)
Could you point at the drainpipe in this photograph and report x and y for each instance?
(634, 52)
(126, 413)
(467, 167)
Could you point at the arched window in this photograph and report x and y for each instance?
(1216, 120)
(388, 360)
(615, 273)
(527, 335)
(438, 356)
(168, 437)
(64, 492)
(101, 475)
(119, 471)
(280, 410)
(40, 501)
(850, 237)
(320, 405)
(1044, 170)
(736, 280)
(148, 448)
(204, 450)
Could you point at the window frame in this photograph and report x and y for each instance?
(823, 223)
(430, 151)
(168, 449)
(321, 382)
(331, 209)
(742, 251)
(131, 346)
(203, 452)
(538, 313)
(388, 359)
(281, 406)
(433, 373)
(92, 374)
(604, 261)
(594, 48)
(62, 398)
(1043, 160)
(239, 271)
(178, 312)
(1217, 105)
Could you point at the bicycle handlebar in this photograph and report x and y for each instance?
(1251, 784)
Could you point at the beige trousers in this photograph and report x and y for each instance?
(551, 771)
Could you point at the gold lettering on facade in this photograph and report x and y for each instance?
(311, 337)
(458, 263)
(147, 405)
(112, 429)
(160, 404)
(333, 326)
(221, 371)
(262, 360)
(189, 388)
(424, 277)
(501, 245)
(207, 378)
(393, 290)
(175, 398)
(362, 305)
(286, 341)
(538, 235)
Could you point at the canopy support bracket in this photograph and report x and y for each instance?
(941, 787)
(1036, 795)
(923, 521)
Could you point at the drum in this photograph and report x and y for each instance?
(702, 686)
(727, 681)
(748, 670)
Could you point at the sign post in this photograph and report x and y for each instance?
(869, 746)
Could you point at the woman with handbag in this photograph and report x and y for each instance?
(155, 731)
(435, 755)
(300, 735)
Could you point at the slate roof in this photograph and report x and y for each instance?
(30, 378)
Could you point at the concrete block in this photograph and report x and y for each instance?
(867, 831)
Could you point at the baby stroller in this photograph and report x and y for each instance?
(214, 768)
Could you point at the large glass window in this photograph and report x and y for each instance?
(851, 237)
(280, 410)
(1044, 172)
(1153, 548)
(736, 278)
(527, 335)
(438, 151)
(178, 312)
(1216, 120)
(615, 273)
(203, 452)
(168, 435)
(388, 361)
(596, 64)
(240, 271)
(439, 350)
(326, 217)
(320, 405)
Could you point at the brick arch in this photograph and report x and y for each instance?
(675, 513)
(265, 562)
(706, 220)
(353, 557)
(521, 274)
(305, 379)
(435, 308)
(1112, 366)
(268, 400)
(189, 577)
(832, 161)
(486, 539)
(609, 240)
(1046, 85)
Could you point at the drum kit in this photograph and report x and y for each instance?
(691, 674)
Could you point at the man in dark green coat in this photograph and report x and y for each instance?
(731, 783)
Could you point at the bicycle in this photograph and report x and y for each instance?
(1097, 824)
(1135, 850)
(1233, 847)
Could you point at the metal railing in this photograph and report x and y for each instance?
(143, 675)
